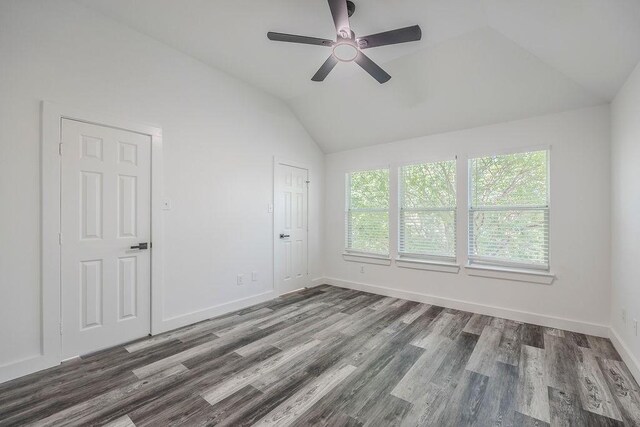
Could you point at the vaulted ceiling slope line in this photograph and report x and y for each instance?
(479, 61)
(478, 79)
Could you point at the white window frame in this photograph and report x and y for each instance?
(348, 210)
(488, 262)
(403, 256)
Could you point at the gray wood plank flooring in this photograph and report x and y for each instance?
(337, 357)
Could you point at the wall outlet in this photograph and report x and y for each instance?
(240, 279)
(623, 316)
(362, 269)
(254, 276)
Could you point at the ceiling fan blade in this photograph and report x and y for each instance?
(292, 38)
(372, 68)
(340, 17)
(401, 35)
(325, 69)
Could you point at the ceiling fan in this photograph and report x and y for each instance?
(348, 47)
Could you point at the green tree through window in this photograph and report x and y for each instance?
(509, 210)
(427, 222)
(367, 215)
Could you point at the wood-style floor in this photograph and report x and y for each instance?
(332, 356)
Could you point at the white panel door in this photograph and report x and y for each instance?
(291, 228)
(106, 198)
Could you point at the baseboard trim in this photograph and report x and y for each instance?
(317, 282)
(210, 312)
(218, 310)
(20, 368)
(38, 363)
(626, 354)
(506, 313)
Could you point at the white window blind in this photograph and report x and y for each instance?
(367, 212)
(509, 210)
(427, 218)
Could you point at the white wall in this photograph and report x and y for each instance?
(625, 215)
(579, 233)
(219, 135)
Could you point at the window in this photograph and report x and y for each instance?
(367, 213)
(509, 210)
(427, 222)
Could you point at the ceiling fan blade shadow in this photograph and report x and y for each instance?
(401, 35)
(340, 17)
(292, 38)
(325, 69)
(372, 68)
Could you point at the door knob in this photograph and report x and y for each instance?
(141, 246)
(282, 235)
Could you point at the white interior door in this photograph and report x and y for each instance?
(106, 197)
(291, 227)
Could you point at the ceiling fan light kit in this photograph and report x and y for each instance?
(345, 52)
(348, 47)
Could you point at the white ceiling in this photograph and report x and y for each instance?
(479, 61)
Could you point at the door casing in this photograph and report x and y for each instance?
(52, 116)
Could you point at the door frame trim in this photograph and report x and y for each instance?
(50, 210)
(300, 165)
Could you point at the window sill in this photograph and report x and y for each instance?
(367, 259)
(518, 275)
(421, 264)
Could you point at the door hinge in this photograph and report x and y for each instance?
(60, 149)
(60, 238)
(60, 328)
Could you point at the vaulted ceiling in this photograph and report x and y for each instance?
(479, 61)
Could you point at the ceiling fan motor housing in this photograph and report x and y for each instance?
(351, 7)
